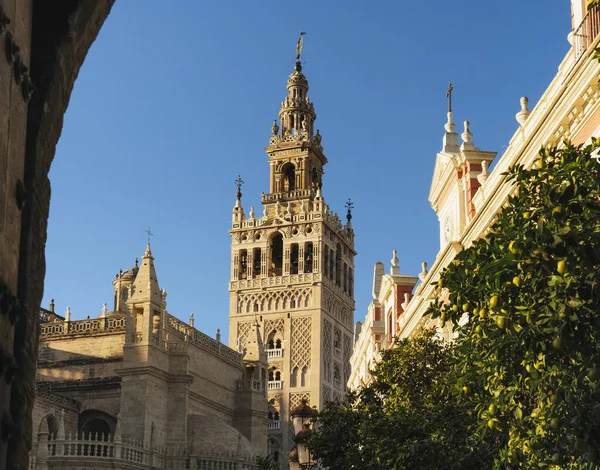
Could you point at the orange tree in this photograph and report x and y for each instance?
(529, 355)
(409, 417)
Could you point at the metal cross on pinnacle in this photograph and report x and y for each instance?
(449, 96)
(349, 206)
(239, 182)
(150, 234)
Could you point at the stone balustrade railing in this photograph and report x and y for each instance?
(91, 325)
(204, 341)
(106, 452)
(275, 280)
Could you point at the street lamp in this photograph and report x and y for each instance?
(300, 458)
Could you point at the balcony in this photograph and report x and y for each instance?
(277, 352)
(288, 195)
(587, 32)
(275, 384)
(275, 425)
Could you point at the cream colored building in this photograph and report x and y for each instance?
(466, 195)
(292, 270)
(138, 388)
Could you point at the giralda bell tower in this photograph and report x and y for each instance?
(292, 271)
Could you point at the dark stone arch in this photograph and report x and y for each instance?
(61, 34)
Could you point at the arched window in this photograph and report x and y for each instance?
(271, 376)
(96, 424)
(289, 177)
(294, 258)
(294, 377)
(338, 265)
(304, 377)
(278, 344)
(308, 257)
(276, 255)
(277, 375)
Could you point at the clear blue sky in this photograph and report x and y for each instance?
(175, 99)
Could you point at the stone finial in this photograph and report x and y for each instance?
(406, 301)
(52, 305)
(68, 314)
(467, 137)
(252, 213)
(395, 269)
(423, 273)
(118, 428)
(450, 126)
(60, 434)
(483, 176)
(218, 337)
(274, 128)
(523, 115)
(137, 263)
(104, 309)
(192, 319)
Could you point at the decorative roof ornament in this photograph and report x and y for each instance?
(483, 176)
(275, 127)
(449, 126)
(423, 273)
(349, 205)
(467, 137)
(239, 182)
(150, 234)
(395, 269)
(523, 115)
(298, 65)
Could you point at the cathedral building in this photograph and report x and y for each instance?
(466, 194)
(138, 388)
(292, 270)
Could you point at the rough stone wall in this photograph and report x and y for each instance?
(53, 38)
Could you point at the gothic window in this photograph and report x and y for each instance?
(271, 375)
(294, 377)
(274, 340)
(294, 258)
(243, 264)
(350, 282)
(337, 376)
(276, 416)
(338, 265)
(326, 261)
(308, 257)
(331, 264)
(276, 255)
(345, 286)
(337, 339)
(277, 375)
(256, 255)
(289, 177)
(304, 377)
(124, 296)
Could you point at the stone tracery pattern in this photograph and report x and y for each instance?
(347, 354)
(336, 307)
(243, 331)
(301, 338)
(277, 300)
(274, 325)
(326, 395)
